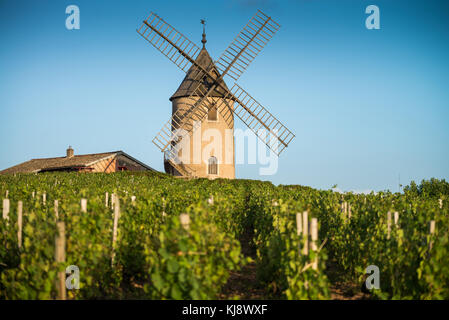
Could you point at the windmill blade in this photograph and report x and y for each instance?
(172, 43)
(266, 127)
(171, 155)
(247, 45)
(236, 58)
(183, 53)
(196, 108)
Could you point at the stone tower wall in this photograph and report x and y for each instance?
(222, 147)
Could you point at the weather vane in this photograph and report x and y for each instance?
(203, 22)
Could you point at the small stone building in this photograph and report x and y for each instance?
(97, 162)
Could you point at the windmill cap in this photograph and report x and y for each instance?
(190, 82)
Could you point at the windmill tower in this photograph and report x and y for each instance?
(204, 158)
(203, 101)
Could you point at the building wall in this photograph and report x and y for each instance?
(114, 164)
(122, 161)
(108, 165)
(223, 150)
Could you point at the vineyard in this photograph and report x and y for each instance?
(151, 236)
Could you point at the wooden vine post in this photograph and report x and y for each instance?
(396, 218)
(6, 209)
(60, 257)
(84, 205)
(19, 223)
(211, 200)
(115, 228)
(432, 231)
(56, 210)
(313, 243)
(185, 220)
(298, 224)
(305, 232)
(440, 201)
(299, 229)
(388, 224)
(112, 201)
(163, 208)
(346, 210)
(106, 199)
(44, 198)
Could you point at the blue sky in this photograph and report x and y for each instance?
(365, 105)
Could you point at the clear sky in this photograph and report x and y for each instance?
(366, 105)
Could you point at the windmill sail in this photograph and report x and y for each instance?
(256, 117)
(206, 82)
(169, 41)
(197, 92)
(236, 58)
(247, 45)
(184, 53)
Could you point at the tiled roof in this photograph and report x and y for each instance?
(36, 165)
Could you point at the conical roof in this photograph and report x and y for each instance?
(190, 82)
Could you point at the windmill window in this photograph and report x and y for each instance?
(212, 115)
(212, 166)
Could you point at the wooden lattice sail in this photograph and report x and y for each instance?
(205, 80)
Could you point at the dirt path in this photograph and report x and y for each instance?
(341, 288)
(243, 284)
(347, 291)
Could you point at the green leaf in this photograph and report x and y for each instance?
(172, 266)
(176, 292)
(157, 281)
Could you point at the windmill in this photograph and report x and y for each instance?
(204, 91)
